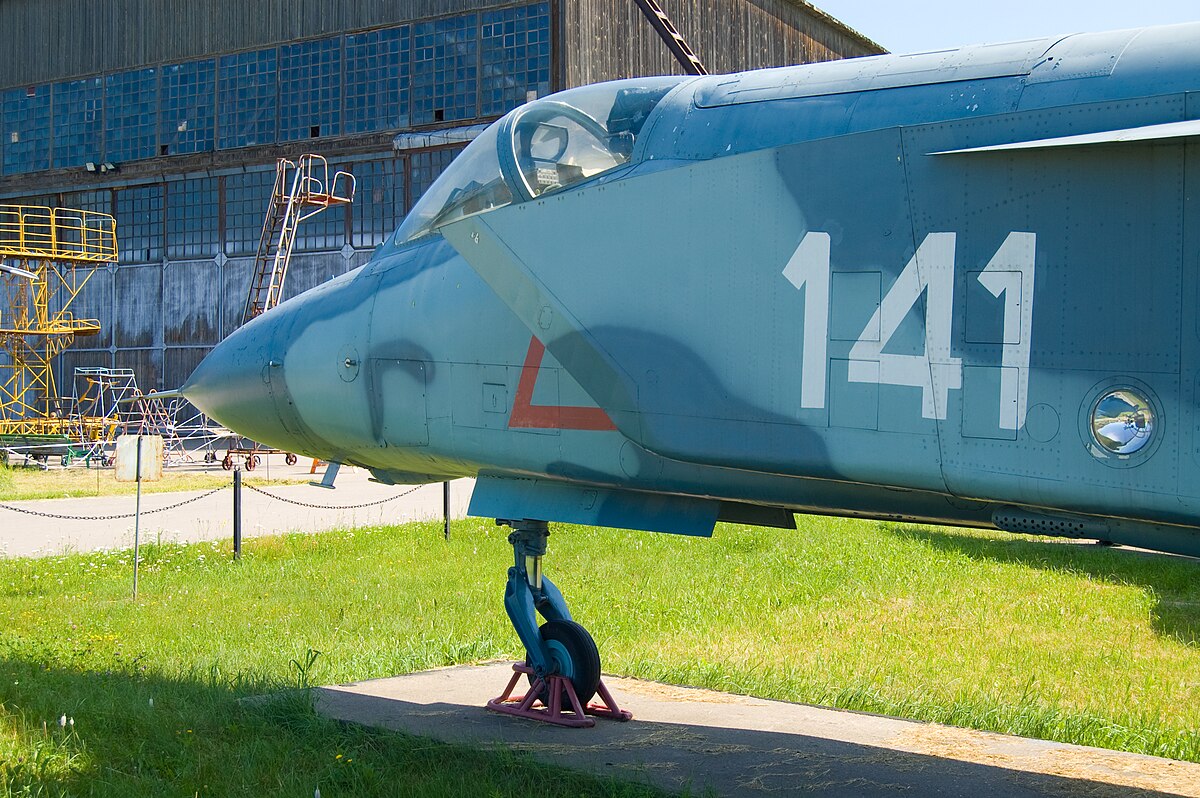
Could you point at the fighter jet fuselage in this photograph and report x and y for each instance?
(956, 287)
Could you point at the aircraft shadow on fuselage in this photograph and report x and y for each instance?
(688, 408)
(1167, 575)
(711, 759)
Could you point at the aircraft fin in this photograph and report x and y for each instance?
(1129, 135)
(546, 500)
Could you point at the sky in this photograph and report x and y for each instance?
(939, 24)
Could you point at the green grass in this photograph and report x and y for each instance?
(17, 483)
(1067, 642)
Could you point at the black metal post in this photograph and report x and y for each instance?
(446, 509)
(237, 513)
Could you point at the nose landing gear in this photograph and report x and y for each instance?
(562, 663)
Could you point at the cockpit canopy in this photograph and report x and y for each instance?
(542, 146)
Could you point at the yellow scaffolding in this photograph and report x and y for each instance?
(47, 256)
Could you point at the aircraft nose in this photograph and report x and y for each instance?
(233, 385)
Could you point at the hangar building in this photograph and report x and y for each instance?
(170, 115)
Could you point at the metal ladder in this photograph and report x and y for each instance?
(302, 190)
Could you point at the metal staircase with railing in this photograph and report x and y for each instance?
(303, 188)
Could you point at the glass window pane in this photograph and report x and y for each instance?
(36, 201)
(246, 198)
(186, 121)
(246, 107)
(377, 78)
(426, 166)
(192, 230)
(78, 122)
(26, 129)
(130, 115)
(378, 201)
(310, 89)
(140, 224)
(444, 71)
(515, 51)
(97, 201)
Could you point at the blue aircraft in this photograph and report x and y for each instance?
(956, 287)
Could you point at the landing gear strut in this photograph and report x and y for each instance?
(562, 664)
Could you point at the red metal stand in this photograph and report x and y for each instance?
(575, 716)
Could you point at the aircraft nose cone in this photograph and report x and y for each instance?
(234, 386)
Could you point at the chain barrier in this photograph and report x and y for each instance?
(120, 516)
(116, 517)
(332, 506)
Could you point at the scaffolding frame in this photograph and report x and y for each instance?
(54, 252)
(98, 408)
(151, 415)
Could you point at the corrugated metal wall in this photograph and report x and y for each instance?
(56, 39)
(608, 39)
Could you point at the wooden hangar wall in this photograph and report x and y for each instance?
(193, 102)
(610, 39)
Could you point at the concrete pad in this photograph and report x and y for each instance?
(211, 517)
(739, 746)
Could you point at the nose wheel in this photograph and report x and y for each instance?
(575, 657)
(562, 663)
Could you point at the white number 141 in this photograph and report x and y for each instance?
(930, 271)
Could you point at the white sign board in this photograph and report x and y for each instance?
(127, 458)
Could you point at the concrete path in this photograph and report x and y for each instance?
(740, 747)
(211, 517)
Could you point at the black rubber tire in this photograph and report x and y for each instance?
(290, 459)
(227, 463)
(571, 639)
